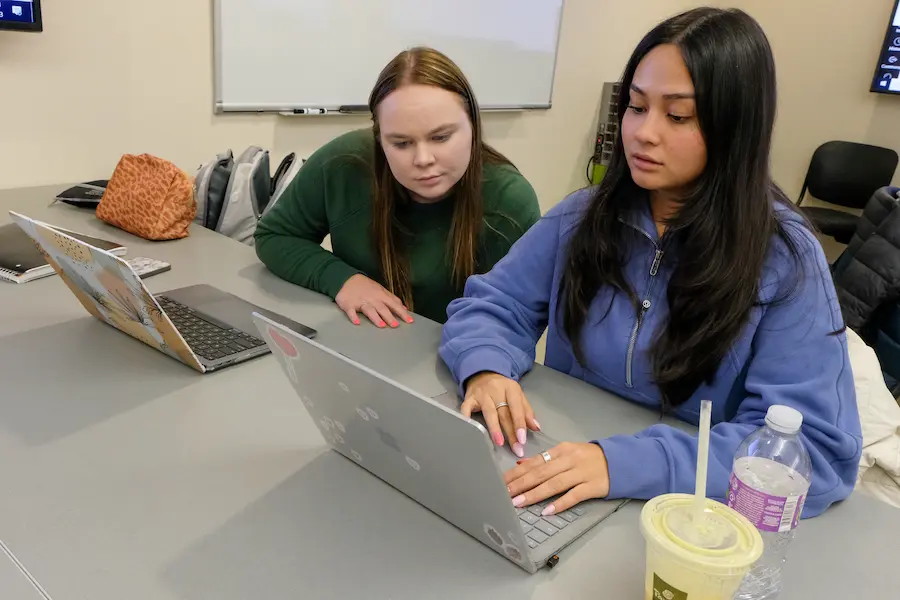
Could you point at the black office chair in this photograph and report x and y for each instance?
(845, 174)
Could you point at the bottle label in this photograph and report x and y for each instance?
(768, 513)
(664, 591)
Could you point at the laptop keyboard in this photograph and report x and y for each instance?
(206, 339)
(539, 529)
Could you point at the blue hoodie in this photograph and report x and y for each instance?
(787, 354)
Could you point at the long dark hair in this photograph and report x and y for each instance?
(726, 221)
(427, 66)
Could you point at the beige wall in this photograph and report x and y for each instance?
(73, 103)
(825, 54)
(79, 95)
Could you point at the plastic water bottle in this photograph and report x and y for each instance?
(769, 482)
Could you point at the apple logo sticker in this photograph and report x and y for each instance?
(388, 440)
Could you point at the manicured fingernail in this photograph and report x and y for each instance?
(518, 450)
(549, 510)
(497, 437)
(395, 324)
(536, 424)
(381, 324)
(356, 321)
(409, 319)
(520, 435)
(519, 500)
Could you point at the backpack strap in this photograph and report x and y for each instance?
(210, 185)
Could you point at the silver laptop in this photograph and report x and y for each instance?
(200, 326)
(431, 453)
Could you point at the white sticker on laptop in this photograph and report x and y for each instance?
(513, 552)
(494, 535)
(413, 464)
(372, 413)
(362, 414)
(343, 386)
(340, 426)
(356, 455)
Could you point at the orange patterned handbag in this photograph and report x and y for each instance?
(149, 197)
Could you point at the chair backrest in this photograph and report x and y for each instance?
(847, 173)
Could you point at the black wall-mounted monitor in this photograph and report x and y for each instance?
(887, 74)
(20, 15)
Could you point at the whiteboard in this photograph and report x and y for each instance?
(283, 55)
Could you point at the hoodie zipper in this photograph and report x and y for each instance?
(645, 306)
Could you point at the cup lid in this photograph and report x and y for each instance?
(718, 538)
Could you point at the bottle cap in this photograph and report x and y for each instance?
(784, 418)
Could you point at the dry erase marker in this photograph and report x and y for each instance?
(310, 111)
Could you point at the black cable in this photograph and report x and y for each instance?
(587, 171)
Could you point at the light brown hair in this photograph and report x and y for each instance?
(426, 66)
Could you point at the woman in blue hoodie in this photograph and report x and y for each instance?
(685, 275)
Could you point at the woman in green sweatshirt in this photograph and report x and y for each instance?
(414, 205)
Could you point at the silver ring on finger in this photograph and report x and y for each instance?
(501, 405)
(546, 456)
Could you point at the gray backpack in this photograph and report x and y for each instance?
(232, 195)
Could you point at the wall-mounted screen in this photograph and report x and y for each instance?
(20, 15)
(887, 74)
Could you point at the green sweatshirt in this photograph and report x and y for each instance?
(331, 194)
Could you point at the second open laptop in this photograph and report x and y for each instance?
(429, 452)
(201, 326)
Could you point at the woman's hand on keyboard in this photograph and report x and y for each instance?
(504, 406)
(576, 472)
(363, 295)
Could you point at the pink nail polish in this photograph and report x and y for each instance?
(498, 438)
(381, 324)
(520, 435)
(549, 510)
(536, 424)
(519, 500)
(409, 320)
(518, 450)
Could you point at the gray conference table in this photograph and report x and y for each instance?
(127, 475)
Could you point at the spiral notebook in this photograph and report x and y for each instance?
(21, 261)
